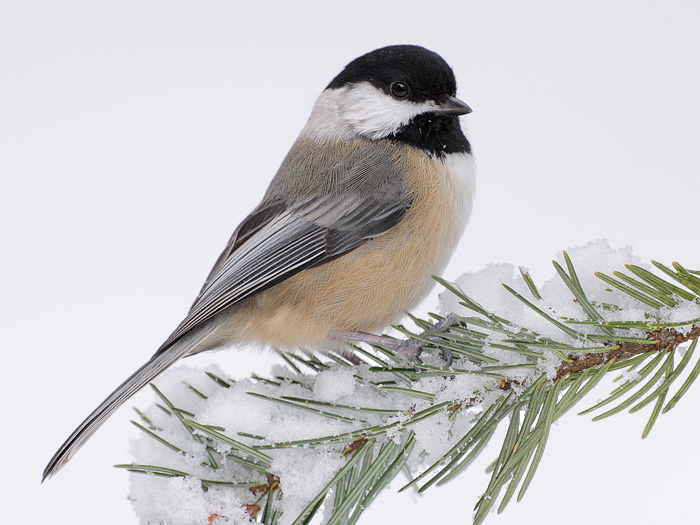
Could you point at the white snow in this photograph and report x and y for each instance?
(182, 500)
(334, 385)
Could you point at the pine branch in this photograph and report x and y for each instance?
(331, 439)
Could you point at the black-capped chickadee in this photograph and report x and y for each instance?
(370, 201)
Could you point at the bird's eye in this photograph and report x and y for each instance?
(399, 90)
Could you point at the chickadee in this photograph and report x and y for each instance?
(369, 202)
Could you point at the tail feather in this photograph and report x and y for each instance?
(144, 375)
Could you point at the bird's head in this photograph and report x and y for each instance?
(381, 94)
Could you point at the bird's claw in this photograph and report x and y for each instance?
(412, 348)
(446, 355)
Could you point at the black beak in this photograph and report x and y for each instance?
(452, 106)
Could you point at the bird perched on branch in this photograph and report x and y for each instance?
(369, 202)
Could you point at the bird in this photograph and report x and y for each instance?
(370, 201)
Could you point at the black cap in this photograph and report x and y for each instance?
(426, 74)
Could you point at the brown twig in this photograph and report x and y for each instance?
(665, 339)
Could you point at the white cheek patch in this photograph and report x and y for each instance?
(361, 110)
(375, 115)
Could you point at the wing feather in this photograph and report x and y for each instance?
(281, 238)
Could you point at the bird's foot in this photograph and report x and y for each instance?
(410, 348)
(414, 347)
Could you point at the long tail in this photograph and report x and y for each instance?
(160, 361)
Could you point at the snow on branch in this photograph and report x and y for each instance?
(322, 436)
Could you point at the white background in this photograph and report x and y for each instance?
(134, 136)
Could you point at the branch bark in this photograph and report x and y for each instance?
(666, 339)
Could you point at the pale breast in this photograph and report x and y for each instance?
(375, 284)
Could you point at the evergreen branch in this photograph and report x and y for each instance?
(513, 373)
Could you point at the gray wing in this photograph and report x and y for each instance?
(285, 236)
(261, 216)
(336, 207)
